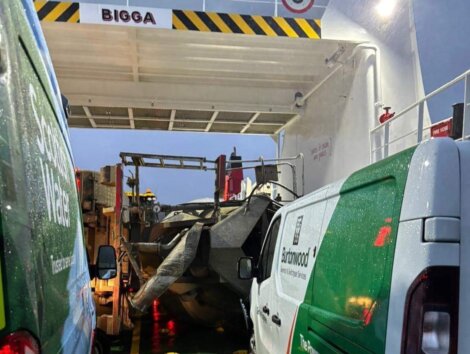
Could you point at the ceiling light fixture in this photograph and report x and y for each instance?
(386, 8)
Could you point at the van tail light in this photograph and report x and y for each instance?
(78, 181)
(20, 342)
(431, 312)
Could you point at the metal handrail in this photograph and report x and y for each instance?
(423, 100)
(420, 104)
(395, 140)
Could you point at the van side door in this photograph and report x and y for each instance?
(263, 292)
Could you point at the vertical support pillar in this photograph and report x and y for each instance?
(137, 185)
(466, 109)
(115, 230)
(220, 172)
(276, 189)
(420, 122)
(386, 139)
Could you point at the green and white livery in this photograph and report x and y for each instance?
(371, 264)
(45, 297)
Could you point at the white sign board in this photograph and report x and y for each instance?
(126, 16)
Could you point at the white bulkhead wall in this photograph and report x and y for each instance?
(333, 133)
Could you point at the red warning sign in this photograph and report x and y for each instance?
(298, 6)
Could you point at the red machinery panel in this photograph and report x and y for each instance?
(442, 129)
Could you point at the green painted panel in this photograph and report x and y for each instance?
(43, 272)
(346, 303)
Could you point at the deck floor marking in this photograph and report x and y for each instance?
(135, 347)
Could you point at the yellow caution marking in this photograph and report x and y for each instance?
(177, 24)
(241, 24)
(38, 5)
(264, 26)
(286, 27)
(58, 10)
(75, 17)
(201, 26)
(307, 28)
(218, 22)
(135, 346)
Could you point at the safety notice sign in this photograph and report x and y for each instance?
(298, 6)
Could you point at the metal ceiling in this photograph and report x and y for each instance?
(138, 78)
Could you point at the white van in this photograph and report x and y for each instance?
(371, 264)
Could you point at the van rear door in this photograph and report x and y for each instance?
(464, 305)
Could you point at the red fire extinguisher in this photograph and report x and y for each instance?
(387, 115)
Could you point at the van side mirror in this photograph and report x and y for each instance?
(106, 266)
(246, 268)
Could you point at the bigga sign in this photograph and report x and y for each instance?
(125, 16)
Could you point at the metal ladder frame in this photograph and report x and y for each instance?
(166, 161)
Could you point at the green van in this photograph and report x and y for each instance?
(376, 263)
(45, 298)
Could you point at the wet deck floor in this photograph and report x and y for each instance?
(158, 333)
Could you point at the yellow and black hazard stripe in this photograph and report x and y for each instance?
(57, 11)
(246, 24)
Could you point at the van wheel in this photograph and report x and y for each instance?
(101, 344)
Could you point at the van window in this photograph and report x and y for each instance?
(351, 281)
(267, 255)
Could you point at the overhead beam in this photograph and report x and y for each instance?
(115, 34)
(279, 80)
(124, 102)
(148, 47)
(200, 64)
(195, 96)
(189, 129)
(181, 120)
(217, 51)
(268, 126)
(252, 120)
(89, 116)
(213, 118)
